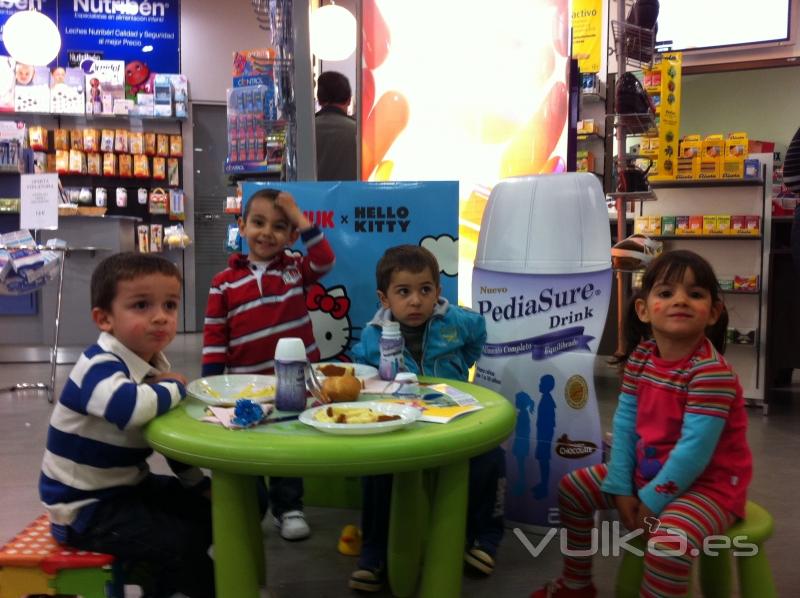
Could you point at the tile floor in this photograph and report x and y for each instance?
(314, 569)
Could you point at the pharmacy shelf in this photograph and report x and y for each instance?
(692, 183)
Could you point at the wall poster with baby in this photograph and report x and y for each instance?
(361, 221)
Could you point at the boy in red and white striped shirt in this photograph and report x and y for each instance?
(259, 299)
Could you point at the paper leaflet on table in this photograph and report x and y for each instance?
(439, 403)
(225, 415)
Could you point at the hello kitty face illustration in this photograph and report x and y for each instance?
(329, 310)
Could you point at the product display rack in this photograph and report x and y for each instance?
(9, 177)
(730, 255)
(634, 47)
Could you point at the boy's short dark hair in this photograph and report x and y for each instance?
(405, 258)
(268, 194)
(333, 88)
(126, 266)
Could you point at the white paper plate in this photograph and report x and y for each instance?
(225, 390)
(408, 415)
(365, 372)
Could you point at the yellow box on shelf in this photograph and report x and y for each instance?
(716, 224)
(733, 168)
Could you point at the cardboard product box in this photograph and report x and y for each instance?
(105, 83)
(655, 225)
(180, 95)
(710, 168)
(745, 283)
(732, 168)
(641, 225)
(752, 168)
(66, 91)
(34, 94)
(736, 146)
(723, 224)
(690, 146)
(713, 146)
(695, 225)
(725, 284)
(746, 225)
(681, 225)
(668, 225)
(688, 168)
(162, 96)
(709, 224)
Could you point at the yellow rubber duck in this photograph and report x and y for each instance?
(350, 541)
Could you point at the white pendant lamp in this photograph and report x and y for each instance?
(333, 32)
(32, 38)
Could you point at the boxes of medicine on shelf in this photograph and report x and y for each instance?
(162, 92)
(732, 168)
(713, 146)
(752, 168)
(34, 94)
(668, 226)
(710, 168)
(755, 146)
(647, 225)
(725, 284)
(745, 283)
(652, 79)
(736, 146)
(688, 168)
(105, 82)
(585, 161)
(746, 225)
(690, 146)
(689, 225)
(586, 126)
(716, 224)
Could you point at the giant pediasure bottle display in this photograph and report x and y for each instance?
(542, 281)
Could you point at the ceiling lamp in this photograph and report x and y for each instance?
(333, 32)
(31, 38)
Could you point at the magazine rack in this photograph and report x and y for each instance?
(50, 387)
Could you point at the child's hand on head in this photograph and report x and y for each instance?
(169, 376)
(286, 202)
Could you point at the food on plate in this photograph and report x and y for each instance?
(352, 415)
(251, 392)
(341, 389)
(331, 369)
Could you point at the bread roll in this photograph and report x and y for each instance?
(330, 369)
(340, 389)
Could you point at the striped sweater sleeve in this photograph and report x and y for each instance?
(106, 391)
(624, 438)
(215, 329)
(711, 391)
(320, 258)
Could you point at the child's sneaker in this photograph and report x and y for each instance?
(557, 589)
(366, 580)
(479, 559)
(293, 525)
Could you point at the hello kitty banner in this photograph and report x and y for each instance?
(361, 221)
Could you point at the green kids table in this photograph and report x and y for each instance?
(428, 514)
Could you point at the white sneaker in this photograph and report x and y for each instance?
(293, 525)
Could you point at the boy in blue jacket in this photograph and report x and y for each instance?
(441, 340)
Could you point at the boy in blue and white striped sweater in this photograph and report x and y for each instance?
(95, 481)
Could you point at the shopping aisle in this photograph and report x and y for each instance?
(314, 569)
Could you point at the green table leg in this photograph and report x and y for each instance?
(404, 552)
(444, 553)
(238, 563)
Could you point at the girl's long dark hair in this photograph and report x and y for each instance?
(670, 267)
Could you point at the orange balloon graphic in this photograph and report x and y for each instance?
(386, 121)
(532, 145)
(367, 94)
(376, 35)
